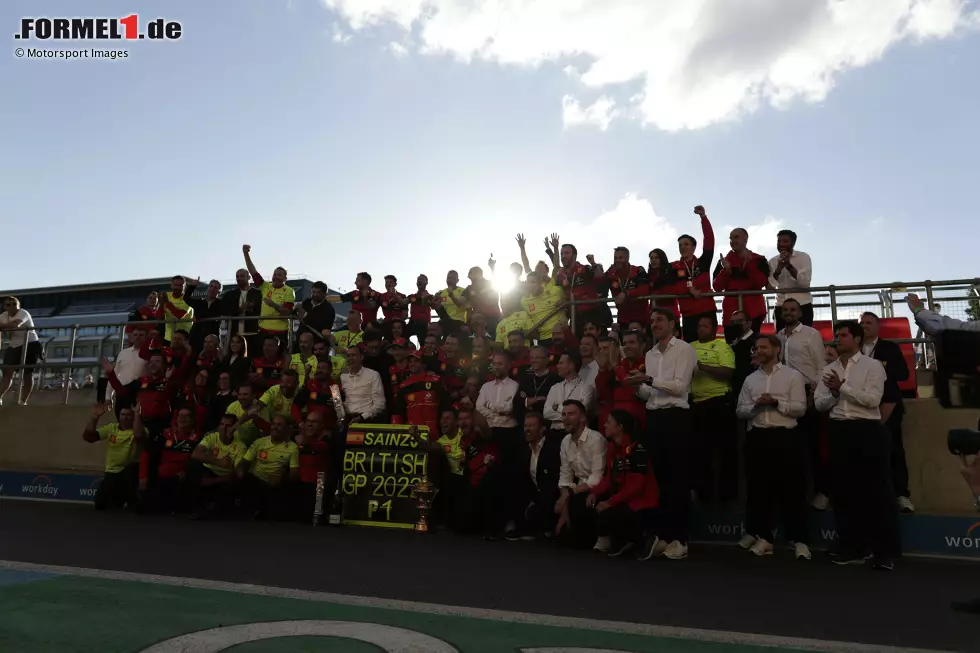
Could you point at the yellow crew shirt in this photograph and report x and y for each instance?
(268, 458)
(120, 447)
(716, 353)
(284, 296)
(218, 449)
(551, 297)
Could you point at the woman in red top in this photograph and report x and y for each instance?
(151, 311)
(627, 494)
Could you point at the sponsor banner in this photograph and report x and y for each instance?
(50, 487)
(930, 534)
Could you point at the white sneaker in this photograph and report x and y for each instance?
(747, 541)
(820, 502)
(905, 505)
(762, 548)
(603, 544)
(676, 551)
(802, 552)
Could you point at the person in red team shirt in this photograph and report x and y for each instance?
(582, 282)
(562, 340)
(210, 356)
(151, 311)
(624, 395)
(400, 370)
(663, 280)
(314, 442)
(267, 369)
(454, 368)
(420, 313)
(480, 359)
(694, 277)
(420, 398)
(627, 284)
(315, 397)
(479, 508)
(393, 303)
(165, 491)
(520, 355)
(196, 395)
(364, 299)
(742, 269)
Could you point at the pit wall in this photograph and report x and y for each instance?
(43, 456)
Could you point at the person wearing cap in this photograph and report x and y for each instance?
(420, 398)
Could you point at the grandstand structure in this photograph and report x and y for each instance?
(92, 316)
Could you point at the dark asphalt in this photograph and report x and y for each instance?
(719, 588)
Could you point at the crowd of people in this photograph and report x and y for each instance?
(596, 432)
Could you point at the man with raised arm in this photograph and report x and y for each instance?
(277, 300)
(693, 275)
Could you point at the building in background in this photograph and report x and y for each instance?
(93, 307)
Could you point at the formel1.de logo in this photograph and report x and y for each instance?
(98, 29)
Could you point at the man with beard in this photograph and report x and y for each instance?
(742, 269)
(454, 368)
(211, 473)
(693, 275)
(267, 370)
(118, 487)
(627, 285)
(315, 397)
(363, 299)
(580, 282)
(277, 300)
(624, 396)
(379, 360)
(583, 462)
(176, 311)
(420, 313)
(419, 399)
(304, 361)
(450, 305)
(268, 468)
(534, 385)
(532, 508)
(279, 398)
(541, 301)
(316, 314)
(244, 303)
(791, 269)
(209, 308)
(741, 338)
(571, 387)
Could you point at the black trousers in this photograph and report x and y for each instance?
(269, 501)
(205, 487)
(419, 329)
(623, 524)
(539, 514)
(899, 466)
(166, 495)
(689, 325)
(776, 484)
(806, 316)
(481, 508)
(668, 438)
(118, 488)
(580, 531)
(714, 456)
(864, 500)
(819, 471)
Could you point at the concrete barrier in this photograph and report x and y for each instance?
(48, 438)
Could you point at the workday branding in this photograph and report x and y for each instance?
(969, 542)
(40, 486)
(49, 487)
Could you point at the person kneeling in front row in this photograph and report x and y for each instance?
(626, 498)
(211, 475)
(583, 459)
(267, 469)
(772, 399)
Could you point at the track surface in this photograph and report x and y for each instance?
(718, 588)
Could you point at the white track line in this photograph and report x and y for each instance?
(717, 636)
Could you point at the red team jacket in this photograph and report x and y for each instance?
(697, 272)
(419, 400)
(634, 283)
(176, 454)
(751, 273)
(629, 478)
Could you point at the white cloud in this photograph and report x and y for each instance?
(762, 236)
(397, 49)
(338, 35)
(675, 64)
(600, 113)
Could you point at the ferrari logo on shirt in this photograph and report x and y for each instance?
(169, 444)
(411, 397)
(428, 386)
(313, 395)
(145, 386)
(264, 455)
(443, 367)
(682, 273)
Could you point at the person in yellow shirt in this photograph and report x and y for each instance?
(118, 486)
(268, 468)
(713, 417)
(352, 336)
(541, 303)
(279, 398)
(304, 362)
(450, 443)
(278, 300)
(519, 321)
(212, 470)
(179, 315)
(250, 415)
(450, 305)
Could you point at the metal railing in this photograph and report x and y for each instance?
(961, 290)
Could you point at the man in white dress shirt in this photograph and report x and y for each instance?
(571, 387)
(864, 501)
(665, 386)
(583, 462)
(496, 404)
(772, 399)
(589, 347)
(791, 269)
(803, 350)
(128, 367)
(364, 393)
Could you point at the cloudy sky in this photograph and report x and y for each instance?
(407, 136)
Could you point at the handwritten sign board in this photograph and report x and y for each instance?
(382, 464)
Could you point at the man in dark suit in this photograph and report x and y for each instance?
(741, 338)
(892, 410)
(244, 301)
(205, 308)
(536, 489)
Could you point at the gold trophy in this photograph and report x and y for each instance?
(426, 492)
(321, 480)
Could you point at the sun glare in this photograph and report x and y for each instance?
(503, 283)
